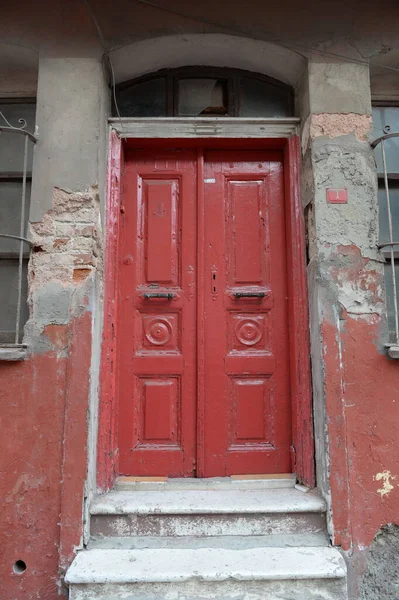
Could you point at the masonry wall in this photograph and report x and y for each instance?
(355, 383)
(49, 401)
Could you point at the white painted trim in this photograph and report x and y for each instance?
(182, 127)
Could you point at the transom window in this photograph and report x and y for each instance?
(204, 92)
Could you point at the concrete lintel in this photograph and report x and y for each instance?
(181, 127)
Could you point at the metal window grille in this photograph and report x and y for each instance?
(388, 184)
(28, 139)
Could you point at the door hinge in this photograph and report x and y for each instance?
(293, 458)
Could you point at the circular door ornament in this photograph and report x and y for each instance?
(158, 331)
(248, 332)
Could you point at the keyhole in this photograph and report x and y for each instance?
(214, 277)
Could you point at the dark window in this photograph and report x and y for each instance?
(203, 91)
(145, 99)
(12, 147)
(386, 121)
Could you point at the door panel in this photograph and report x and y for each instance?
(157, 352)
(247, 404)
(242, 335)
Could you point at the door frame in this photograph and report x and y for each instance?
(225, 133)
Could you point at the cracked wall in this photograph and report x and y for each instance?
(46, 399)
(354, 382)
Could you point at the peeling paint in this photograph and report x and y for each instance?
(335, 125)
(387, 487)
(45, 399)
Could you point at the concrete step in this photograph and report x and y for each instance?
(235, 542)
(208, 573)
(207, 513)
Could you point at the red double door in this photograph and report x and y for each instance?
(203, 327)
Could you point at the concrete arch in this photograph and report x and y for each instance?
(217, 50)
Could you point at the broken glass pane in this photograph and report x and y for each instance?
(200, 96)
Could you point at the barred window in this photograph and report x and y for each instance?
(17, 117)
(386, 144)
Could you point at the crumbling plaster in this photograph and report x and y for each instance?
(354, 381)
(345, 236)
(73, 102)
(56, 389)
(66, 250)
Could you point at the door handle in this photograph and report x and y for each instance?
(238, 295)
(166, 295)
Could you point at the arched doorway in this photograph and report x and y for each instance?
(206, 371)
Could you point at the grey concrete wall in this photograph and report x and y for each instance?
(72, 108)
(339, 87)
(335, 155)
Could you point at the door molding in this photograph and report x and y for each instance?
(200, 127)
(267, 133)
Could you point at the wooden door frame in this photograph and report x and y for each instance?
(210, 133)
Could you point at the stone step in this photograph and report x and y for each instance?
(207, 513)
(237, 542)
(208, 573)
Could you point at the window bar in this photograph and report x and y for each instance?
(392, 253)
(21, 243)
(28, 136)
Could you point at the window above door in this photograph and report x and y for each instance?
(204, 92)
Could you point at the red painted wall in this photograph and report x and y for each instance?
(44, 404)
(362, 405)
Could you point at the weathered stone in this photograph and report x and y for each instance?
(381, 579)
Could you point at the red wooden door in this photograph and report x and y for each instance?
(157, 321)
(236, 388)
(246, 368)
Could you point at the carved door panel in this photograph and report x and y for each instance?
(228, 371)
(246, 368)
(157, 322)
